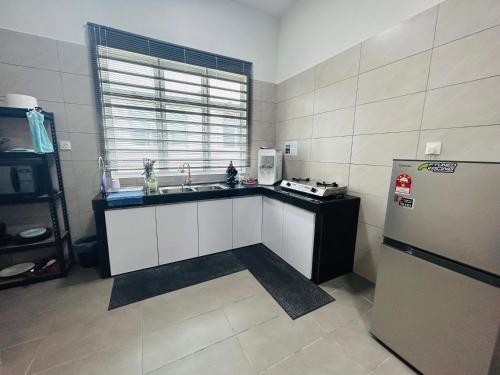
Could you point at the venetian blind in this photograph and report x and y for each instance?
(169, 103)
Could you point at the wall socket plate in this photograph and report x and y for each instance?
(433, 148)
(64, 145)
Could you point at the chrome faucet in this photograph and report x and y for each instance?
(182, 167)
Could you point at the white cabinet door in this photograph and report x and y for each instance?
(298, 238)
(177, 231)
(247, 221)
(215, 226)
(131, 239)
(272, 225)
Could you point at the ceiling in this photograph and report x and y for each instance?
(275, 8)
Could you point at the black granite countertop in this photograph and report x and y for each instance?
(275, 192)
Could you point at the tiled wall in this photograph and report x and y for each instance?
(435, 77)
(59, 75)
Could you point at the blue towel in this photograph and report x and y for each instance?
(123, 198)
(39, 137)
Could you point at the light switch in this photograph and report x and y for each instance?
(433, 148)
(64, 145)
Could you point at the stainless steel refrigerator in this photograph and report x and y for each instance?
(437, 296)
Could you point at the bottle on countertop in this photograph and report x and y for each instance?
(231, 173)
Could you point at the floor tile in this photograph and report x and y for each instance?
(186, 303)
(179, 340)
(224, 358)
(393, 366)
(124, 359)
(344, 310)
(351, 283)
(323, 357)
(17, 359)
(357, 342)
(272, 341)
(251, 311)
(81, 340)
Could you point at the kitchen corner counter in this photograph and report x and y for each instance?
(276, 192)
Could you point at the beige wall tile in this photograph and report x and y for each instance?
(392, 115)
(367, 252)
(372, 209)
(480, 143)
(297, 107)
(403, 77)
(28, 50)
(42, 84)
(334, 150)
(366, 263)
(263, 111)
(333, 123)
(74, 58)
(264, 91)
(84, 146)
(297, 85)
(380, 149)
(408, 38)
(297, 169)
(338, 95)
(77, 89)
(370, 179)
(459, 18)
(298, 128)
(330, 172)
(82, 118)
(472, 103)
(262, 131)
(473, 57)
(339, 67)
(303, 149)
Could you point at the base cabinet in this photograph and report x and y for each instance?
(298, 238)
(177, 232)
(215, 226)
(131, 239)
(145, 237)
(272, 225)
(247, 221)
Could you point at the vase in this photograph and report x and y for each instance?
(150, 184)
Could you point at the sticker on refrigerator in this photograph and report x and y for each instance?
(439, 167)
(403, 184)
(404, 201)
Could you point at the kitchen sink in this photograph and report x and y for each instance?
(210, 187)
(191, 188)
(175, 189)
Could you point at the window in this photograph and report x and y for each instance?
(169, 103)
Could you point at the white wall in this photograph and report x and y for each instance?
(314, 30)
(218, 26)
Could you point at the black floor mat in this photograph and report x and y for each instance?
(293, 292)
(139, 285)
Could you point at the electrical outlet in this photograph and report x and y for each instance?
(64, 145)
(433, 148)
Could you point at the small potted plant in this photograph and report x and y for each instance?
(150, 182)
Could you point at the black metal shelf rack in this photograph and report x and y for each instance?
(60, 238)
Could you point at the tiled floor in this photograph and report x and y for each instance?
(226, 326)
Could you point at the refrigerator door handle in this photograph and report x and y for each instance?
(438, 260)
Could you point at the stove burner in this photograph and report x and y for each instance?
(325, 184)
(300, 179)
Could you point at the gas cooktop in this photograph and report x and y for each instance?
(317, 188)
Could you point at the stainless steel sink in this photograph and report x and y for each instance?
(208, 187)
(191, 188)
(175, 189)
